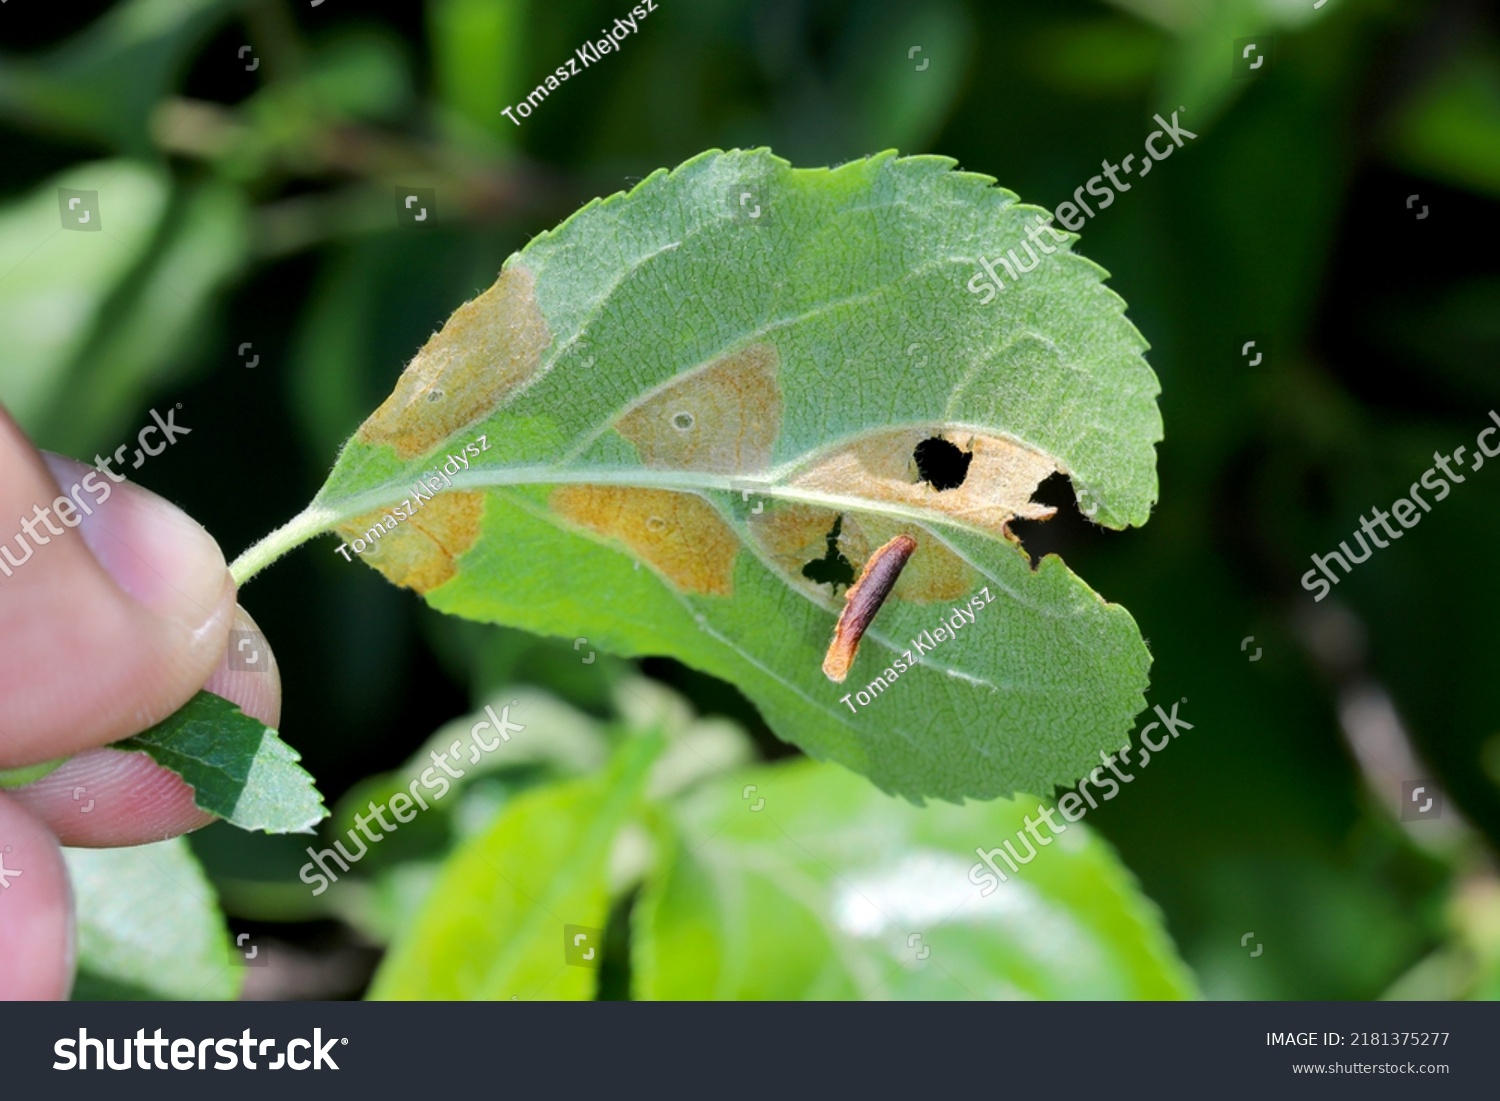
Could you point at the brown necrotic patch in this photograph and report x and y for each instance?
(490, 346)
(937, 574)
(723, 417)
(421, 551)
(997, 481)
(797, 537)
(679, 534)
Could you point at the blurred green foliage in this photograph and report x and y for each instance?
(130, 946)
(255, 206)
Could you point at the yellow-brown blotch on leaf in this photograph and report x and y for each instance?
(723, 417)
(420, 552)
(490, 347)
(1002, 476)
(679, 534)
(793, 535)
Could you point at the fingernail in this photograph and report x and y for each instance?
(156, 552)
(256, 687)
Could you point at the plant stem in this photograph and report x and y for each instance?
(311, 521)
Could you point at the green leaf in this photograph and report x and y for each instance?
(494, 926)
(95, 320)
(104, 82)
(554, 737)
(155, 320)
(811, 885)
(1198, 74)
(479, 61)
(1450, 130)
(238, 767)
(148, 926)
(54, 282)
(668, 410)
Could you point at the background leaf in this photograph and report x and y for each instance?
(801, 882)
(97, 319)
(493, 927)
(148, 925)
(59, 281)
(103, 82)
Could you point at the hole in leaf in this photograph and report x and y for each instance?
(941, 464)
(833, 568)
(683, 422)
(434, 395)
(1067, 534)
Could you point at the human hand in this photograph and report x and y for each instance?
(114, 611)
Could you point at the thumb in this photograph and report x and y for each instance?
(114, 605)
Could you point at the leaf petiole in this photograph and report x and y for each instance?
(311, 521)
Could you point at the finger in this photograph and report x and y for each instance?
(105, 797)
(108, 628)
(248, 676)
(36, 922)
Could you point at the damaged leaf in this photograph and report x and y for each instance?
(681, 430)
